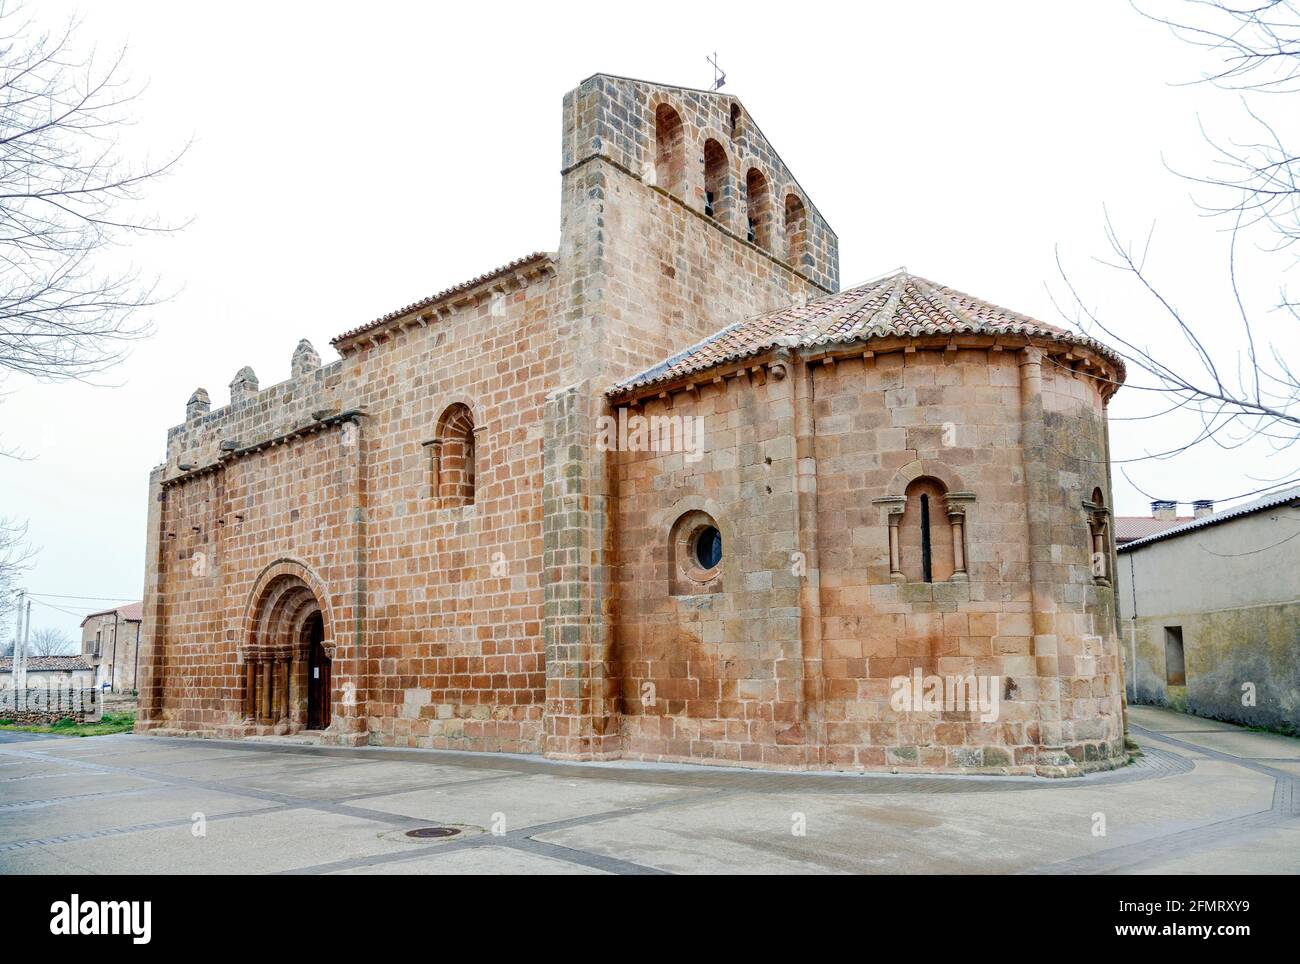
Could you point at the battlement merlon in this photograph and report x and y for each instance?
(255, 415)
(703, 148)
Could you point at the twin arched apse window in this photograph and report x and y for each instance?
(453, 458)
(670, 150)
(925, 535)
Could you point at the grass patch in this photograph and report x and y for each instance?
(111, 723)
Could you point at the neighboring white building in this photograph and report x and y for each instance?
(1210, 614)
(50, 672)
(110, 642)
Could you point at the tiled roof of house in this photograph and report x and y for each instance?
(505, 269)
(46, 664)
(899, 304)
(131, 612)
(1130, 527)
(1285, 497)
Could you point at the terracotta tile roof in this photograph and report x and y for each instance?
(900, 304)
(505, 269)
(1130, 527)
(131, 611)
(46, 664)
(1289, 497)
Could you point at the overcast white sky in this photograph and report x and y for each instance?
(350, 158)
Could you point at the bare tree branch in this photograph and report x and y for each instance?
(1254, 185)
(66, 198)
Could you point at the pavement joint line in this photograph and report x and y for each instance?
(1284, 806)
(93, 795)
(37, 776)
(425, 785)
(1133, 856)
(1222, 755)
(80, 835)
(584, 858)
(171, 780)
(508, 840)
(323, 804)
(693, 775)
(1156, 763)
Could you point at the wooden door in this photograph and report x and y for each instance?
(318, 680)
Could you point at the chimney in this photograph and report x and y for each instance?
(1164, 510)
(1202, 507)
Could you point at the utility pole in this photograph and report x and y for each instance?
(112, 666)
(16, 662)
(27, 633)
(21, 630)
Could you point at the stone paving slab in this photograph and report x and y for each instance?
(264, 843)
(485, 860)
(81, 815)
(522, 801)
(1273, 850)
(373, 782)
(25, 792)
(1159, 718)
(1247, 745)
(123, 804)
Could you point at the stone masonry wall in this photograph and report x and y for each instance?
(434, 611)
(736, 676)
(37, 706)
(643, 274)
(614, 118)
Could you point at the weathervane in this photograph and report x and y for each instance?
(719, 75)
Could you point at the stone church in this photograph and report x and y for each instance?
(462, 535)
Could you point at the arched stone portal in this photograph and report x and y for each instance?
(286, 654)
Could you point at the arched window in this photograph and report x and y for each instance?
(696, 552)
(757, 203)
(735, 121)
(670, 153)
(925, 534)
(717, 189)
(453, 462)
(796, 229)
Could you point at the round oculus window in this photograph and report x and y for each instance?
(708, 548)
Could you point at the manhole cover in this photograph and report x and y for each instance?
(426, 833)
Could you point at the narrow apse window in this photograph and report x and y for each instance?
(927, 573)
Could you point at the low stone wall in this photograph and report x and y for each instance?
(35, 707)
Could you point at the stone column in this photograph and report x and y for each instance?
(267, 693)
(349, 630)
(250, 691)
(1042, 571)
(801, 387)
(282, 670)
(955, 503)
(433, 449)
(580, 721)
(894, 506)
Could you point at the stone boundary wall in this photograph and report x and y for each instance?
(37, 706)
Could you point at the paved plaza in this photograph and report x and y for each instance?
(1206, 797)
